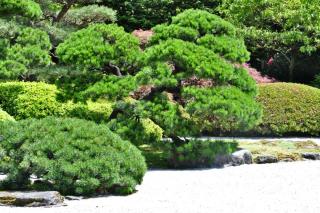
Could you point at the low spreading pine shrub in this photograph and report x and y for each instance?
(69, 155)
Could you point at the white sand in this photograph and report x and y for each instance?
(273, 188)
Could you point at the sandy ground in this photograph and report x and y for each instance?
(272, 188)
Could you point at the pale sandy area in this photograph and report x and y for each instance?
(272, 188)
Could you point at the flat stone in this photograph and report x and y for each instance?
(311, 156)
(263, 159)
(31, 199)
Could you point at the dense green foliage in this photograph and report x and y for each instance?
(289, 109)
(286, 31)
(101, 47)
(30, 49)
(4, 116)
(198, 154)
(29, 100)
(71, 156)
(27, 8)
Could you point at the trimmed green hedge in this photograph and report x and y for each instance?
(29, 100)
(25, 100)
(289, 109)
(72, 156)
(4, 116)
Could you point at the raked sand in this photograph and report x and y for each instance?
(272, 188)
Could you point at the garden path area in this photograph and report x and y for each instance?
(282, 187)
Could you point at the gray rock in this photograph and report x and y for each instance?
(311, 156)
(262, 159)
(241, 157)
(222, 160)
(31, 199)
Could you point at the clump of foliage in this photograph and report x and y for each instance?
(197, 153)
(26, 8)
(128, 121)
(98, 112)
(289, 109)
(30, 49)
(71, 156)
(111, 88)
(29, 100)
(90, 14)
(107, 48)
(285, 31)
(4, 116)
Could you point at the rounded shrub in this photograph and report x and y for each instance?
(29, 100)
(72, 156)
(289, 109)
(4, 116)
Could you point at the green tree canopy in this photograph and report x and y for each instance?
(282, 29)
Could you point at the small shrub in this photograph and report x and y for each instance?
(198, 153)
(29, 100)
(69, 155)
(4, 116)
(289, 109)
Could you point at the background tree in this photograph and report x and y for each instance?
(144, 14)
(282, 33)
